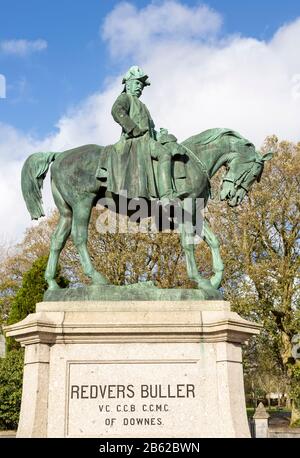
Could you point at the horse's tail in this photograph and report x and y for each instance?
(33, 174)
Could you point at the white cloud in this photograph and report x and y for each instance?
(22, 47)
(132, 31)
(200, 80)
(89, 122)
(13, 215)
(14, 148)
(203, 80)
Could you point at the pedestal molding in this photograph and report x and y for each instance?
(169, 345)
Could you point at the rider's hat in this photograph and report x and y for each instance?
(136, 73)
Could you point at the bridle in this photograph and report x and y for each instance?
(240, 181)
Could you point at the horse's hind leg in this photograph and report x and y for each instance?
(59, 236)
(81, 218)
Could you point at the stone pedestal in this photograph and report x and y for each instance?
(261, 422)
(133, 369)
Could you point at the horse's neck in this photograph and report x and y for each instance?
(213, 156)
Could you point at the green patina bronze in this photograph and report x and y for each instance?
(147, 164)
(143, 291)
(128, 165)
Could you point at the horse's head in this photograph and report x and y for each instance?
(244, 167)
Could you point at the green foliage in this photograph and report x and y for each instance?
(261, 251)
(11, 368)
(294, 370)
(30, 293)
(295, 383)
(11, 375)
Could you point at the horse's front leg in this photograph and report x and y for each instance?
(213, 243)
(188, 245)
(187, 230)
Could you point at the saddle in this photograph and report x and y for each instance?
(179, 172)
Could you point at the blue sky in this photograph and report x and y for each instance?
(226, 63)
(42, 86)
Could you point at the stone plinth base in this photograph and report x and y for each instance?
(133, 369)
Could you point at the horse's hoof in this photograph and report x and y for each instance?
(204, 284)
(216, 280)
(215, 283)
(209, 290)
(53, 286)
(99, 279)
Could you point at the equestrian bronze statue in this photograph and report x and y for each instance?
(146, 164)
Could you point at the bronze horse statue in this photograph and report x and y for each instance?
(76, 190)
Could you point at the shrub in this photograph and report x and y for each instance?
(31, 292)
(11, 377)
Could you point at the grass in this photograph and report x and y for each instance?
(272, 411)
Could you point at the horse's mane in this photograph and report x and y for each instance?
(211, 135)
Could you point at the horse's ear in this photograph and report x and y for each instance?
(268, 156)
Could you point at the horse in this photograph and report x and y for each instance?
(76, 190)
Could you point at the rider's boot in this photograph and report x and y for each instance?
(165, 186)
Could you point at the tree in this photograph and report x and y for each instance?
(261, 246)
(295, 390)
(30, 293)
(11, 368)
(18, 259)
(122, 258)
(11, 374)
(263, 373)
(126, 258)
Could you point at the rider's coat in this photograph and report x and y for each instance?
(130, 165)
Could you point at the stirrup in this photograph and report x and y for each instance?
(183, 194)
(168, 198)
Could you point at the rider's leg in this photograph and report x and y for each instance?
(165, 187)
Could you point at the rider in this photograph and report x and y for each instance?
(138, 132)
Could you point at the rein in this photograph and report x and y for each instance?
(238, 182)
(199, 162)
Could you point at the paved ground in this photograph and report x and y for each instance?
(279, 426)
(280, 419)
(7, 434)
